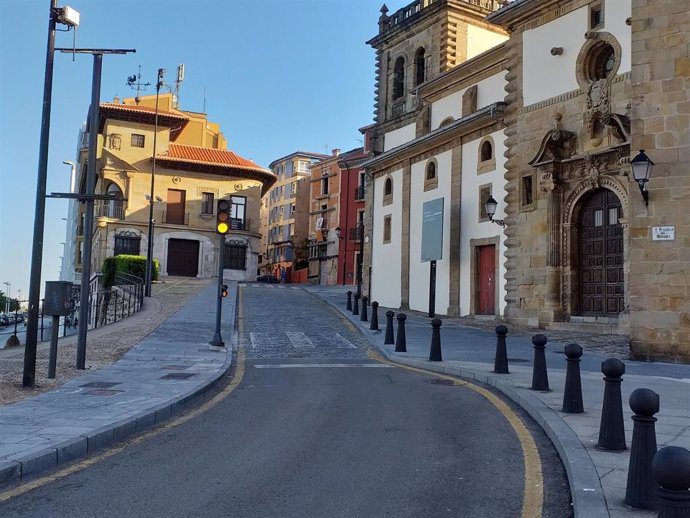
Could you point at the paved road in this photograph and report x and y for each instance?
(318, 428)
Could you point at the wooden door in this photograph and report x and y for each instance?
(601, 255)
(183, 257)
(176, 205)
(486, 280)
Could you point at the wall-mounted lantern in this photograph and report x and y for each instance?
(642, 167)
(490, 207)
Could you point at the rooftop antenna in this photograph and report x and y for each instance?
(204, 111)
(178, 83)
(135, 83)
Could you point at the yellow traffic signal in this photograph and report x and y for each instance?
(223, 217)
(224, 290)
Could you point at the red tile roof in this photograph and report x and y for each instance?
(133, 108)
(218, 161)
(204, 155)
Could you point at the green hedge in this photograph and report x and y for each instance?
(131, 264)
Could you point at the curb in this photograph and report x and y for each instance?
(85, 445)
(586, 491)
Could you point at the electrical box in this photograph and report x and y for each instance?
(58, 298)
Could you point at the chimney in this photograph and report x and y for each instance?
(336, 152)
(116, 100)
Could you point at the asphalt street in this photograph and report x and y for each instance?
(317, 426)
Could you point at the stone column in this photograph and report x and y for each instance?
(455, 238)
(554, 266)
(405, 238)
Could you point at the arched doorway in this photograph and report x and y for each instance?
(600, 251)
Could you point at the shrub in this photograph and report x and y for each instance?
(131, 264)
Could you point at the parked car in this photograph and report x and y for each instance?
(271, 279)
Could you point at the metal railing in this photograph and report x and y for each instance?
(114, 209)
(122, 300)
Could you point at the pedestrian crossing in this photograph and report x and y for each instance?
(298, 340)
(268, 286)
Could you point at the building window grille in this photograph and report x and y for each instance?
(235, 255)
(127, 243)
(207, 203)
(138, 140)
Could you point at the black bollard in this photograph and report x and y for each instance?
(671, 470)
(363, 314)
(400, 344)
(355, 306)
(389, 328)
(374, 326)
(640, 491)
(611, 431)
(540, 379)
(572, 394)
(435, 350)
(501, 358)
(349, 301)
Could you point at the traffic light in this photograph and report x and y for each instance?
(223, 217)
(224, 290)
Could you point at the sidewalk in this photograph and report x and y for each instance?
(168, 370)
(597, 478)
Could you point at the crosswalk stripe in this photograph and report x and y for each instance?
(259, 340)
(344, 343)
(322, 365)
(299, 340)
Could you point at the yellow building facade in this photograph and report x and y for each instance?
(192, 170)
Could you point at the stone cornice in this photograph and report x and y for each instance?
(481, 118)
(470, 72)
(522, 15)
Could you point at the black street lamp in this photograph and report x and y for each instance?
(490, 207)
(642, 167)
(151, 198)
(69, 17)
(360, 258)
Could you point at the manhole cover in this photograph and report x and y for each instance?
(173, 367)
(101, 384)
(518, 360)
(439, 381)
(178, 376)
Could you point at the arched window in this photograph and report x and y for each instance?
(399, 78)
(388, 191)
(114, 208)
(446, 122)
(431, 175)
(419, 66)
(487, 151)
(431, 171)
(388, 187)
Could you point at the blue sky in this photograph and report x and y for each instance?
(279, 75)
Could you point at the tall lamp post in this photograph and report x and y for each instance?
(7, 297)
(360, 258)
(69, 17)
(149, 246)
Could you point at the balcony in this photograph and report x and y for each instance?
(113, 209)
(318, 250)
(359, 193)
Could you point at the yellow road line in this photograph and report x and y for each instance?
(533, 501)
(79, 466)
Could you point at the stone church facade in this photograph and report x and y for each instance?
(588, 84)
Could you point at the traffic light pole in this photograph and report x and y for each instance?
(217, 339)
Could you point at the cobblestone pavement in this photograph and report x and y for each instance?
(301, 335)
(105, 345)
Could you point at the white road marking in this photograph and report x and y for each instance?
(259, 340)
(299, 340)
(344, 343)
(322, 365)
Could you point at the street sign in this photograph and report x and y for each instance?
(432, 230)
